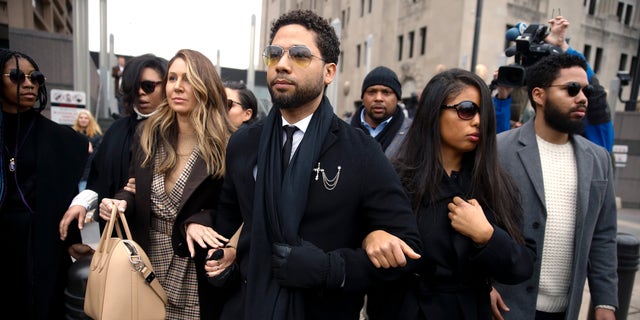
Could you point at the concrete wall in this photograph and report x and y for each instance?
(626, 126)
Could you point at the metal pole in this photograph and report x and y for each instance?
(251, 72)
(333, 87)
(111, 90)
(218, 67)
(476, 36)
(103, 104)
(633, 96)
(81, 49)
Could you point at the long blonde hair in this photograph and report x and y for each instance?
(92, 129)
(209, 118)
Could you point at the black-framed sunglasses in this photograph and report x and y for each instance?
(149, 86)
(231, 102)
(300, 55)
(466, 109)
(573, 88)
(18, 77)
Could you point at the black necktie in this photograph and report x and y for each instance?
(286, 149)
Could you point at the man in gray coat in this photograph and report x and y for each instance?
(567, 192)
(381, 116)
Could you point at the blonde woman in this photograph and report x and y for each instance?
(178, 166)
(86, 124)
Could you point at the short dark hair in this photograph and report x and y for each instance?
(326, 38)
(131, 77)
(544, 72)
(247, 98)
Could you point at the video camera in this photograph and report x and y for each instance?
(529, 48)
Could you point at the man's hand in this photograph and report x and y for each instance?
(306, 266)
(386, 250)
(497, 305)
(74, 212)
(558, 33)
(604, 314)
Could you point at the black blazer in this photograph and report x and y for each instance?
(368, 196)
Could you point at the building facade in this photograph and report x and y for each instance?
(416, 38)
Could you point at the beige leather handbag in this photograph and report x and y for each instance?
(122, 284)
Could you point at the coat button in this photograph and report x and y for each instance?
(536, 225)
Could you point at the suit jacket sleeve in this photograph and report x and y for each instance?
(385, 206)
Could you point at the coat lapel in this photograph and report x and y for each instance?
(198, 174)
(584, 163)
(332, 136)
(530, 158)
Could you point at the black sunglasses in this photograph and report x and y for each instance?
(466, 109)
(300, 55)
(149, 86)
(18, 77)
(573, 88)
(231, 102)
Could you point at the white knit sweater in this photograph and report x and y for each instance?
(560, 176)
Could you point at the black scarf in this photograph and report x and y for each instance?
(279, 204)
(388, 133)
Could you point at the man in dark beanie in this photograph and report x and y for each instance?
(380, 115)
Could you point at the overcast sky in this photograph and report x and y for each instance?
(162, 27)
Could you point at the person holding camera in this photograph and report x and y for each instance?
(598, 127)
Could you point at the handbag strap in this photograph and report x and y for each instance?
(107, 232)
(145, 271)
(114, 223)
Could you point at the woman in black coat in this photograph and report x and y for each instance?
(467, 208)
(40, 166)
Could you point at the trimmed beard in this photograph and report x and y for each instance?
(560, 121)
(301, 95)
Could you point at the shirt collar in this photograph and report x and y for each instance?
(302, 125)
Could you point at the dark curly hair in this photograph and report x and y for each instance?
(326, 38)
(544, 72)
(5, 56)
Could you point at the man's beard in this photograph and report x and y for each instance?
(562, 121)
(301, 96)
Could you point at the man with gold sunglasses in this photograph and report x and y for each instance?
(308, 188)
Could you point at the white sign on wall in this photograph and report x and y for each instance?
(65, 105)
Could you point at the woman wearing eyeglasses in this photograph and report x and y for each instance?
(242, 104)
(40, 166)
(467, 208)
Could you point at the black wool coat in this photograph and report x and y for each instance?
(368, 196)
